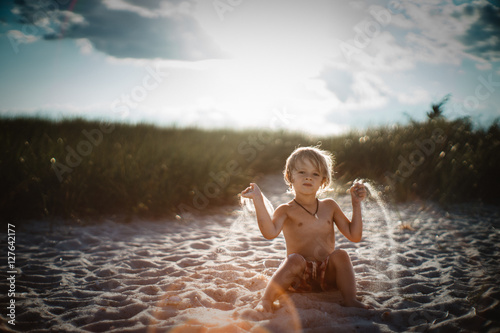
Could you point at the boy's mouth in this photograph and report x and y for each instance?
(307, 184)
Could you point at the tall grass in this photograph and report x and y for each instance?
(143, 170)
(439, 160)
(136, 170)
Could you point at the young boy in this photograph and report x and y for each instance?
(312, 263)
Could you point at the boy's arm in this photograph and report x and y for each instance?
(270, 227)
(352, 230)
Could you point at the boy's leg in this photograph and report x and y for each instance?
(339, 271)
(292, 268)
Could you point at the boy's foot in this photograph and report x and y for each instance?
(357, 304)
(265, 305)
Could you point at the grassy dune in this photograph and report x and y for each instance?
(77, 169)
(439, 160)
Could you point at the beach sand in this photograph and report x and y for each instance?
(422, 268)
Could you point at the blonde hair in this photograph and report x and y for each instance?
(321, 159)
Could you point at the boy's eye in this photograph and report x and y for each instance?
(316, 174)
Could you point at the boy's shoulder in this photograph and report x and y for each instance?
(330, 202)
(285, 207)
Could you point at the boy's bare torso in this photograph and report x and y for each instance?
(311, 237)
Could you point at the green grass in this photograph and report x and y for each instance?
(151, 172)
(439, 160)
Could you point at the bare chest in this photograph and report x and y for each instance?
(303, 227)
(312, 238)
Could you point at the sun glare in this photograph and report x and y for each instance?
(252, 84)
(269, 53)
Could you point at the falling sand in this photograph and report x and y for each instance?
(421, 268)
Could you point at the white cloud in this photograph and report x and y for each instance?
(18, 37)
(432, 51)
(154, 8)
(369, 91)
(484, 66)
(85, 45)
(383, 54)
(447, 33)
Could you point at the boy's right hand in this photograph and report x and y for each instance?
(251, 191)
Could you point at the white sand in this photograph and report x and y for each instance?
(208, 275)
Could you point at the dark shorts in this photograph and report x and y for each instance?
(313, 278)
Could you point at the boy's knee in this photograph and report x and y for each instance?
(340, 256)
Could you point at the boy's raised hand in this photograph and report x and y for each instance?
(251, 191)
(358, 192)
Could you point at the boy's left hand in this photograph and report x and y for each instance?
(358, 192)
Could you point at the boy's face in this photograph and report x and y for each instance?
(306, 178)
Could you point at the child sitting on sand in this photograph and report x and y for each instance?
(312, 263)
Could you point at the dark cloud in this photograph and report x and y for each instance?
(123, 33)
(483, 36)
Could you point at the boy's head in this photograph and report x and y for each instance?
(320, 159)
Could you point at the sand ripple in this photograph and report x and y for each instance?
(427, 270)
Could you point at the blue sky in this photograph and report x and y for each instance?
(320, 66)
